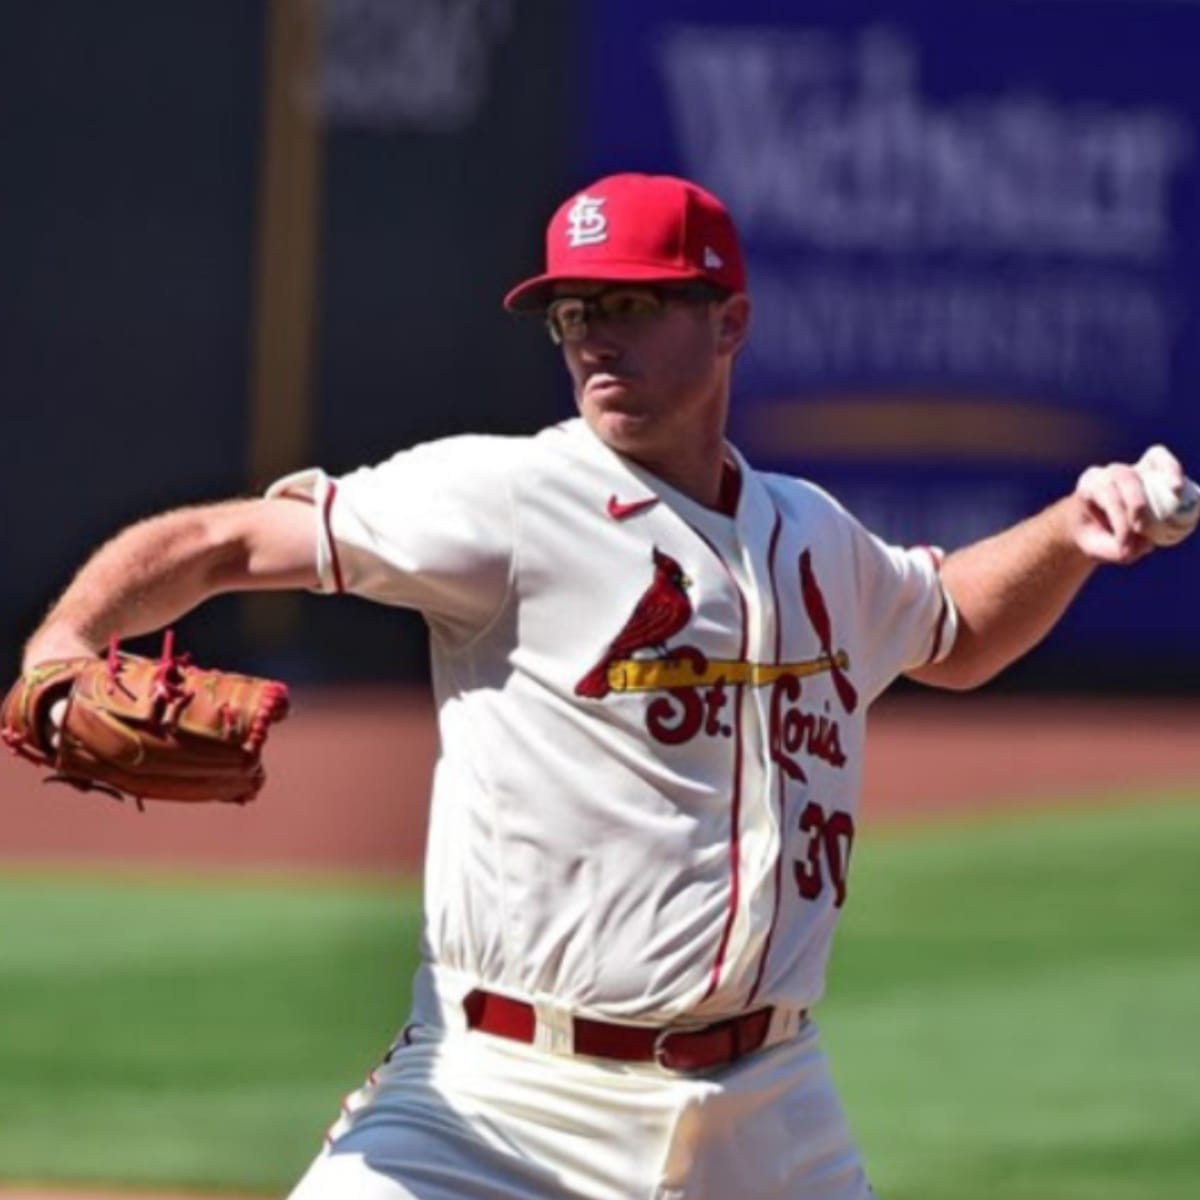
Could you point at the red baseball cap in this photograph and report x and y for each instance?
(637, 228)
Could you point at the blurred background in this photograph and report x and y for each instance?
(241, 237)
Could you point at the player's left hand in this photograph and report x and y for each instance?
(1114, 510)
(154, 730)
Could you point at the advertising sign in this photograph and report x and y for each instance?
(973, 243)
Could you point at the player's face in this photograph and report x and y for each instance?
(650, 364)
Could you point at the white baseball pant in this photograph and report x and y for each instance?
(459, 1115)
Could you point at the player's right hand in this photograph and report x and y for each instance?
(1113, 511)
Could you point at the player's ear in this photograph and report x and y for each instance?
(733, 323)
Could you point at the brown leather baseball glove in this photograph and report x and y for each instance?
(153, 730)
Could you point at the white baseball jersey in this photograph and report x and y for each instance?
(651, 714)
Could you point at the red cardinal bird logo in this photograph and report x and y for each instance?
(660, 614)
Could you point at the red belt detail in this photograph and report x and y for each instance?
(714, 1045)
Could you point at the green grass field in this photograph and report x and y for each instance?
(1012, 1016)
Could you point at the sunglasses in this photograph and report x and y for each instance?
(568, 318)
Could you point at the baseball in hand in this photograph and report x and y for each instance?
(1174, 514)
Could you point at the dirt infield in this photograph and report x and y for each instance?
(349, 775)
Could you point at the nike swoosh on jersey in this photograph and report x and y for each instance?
(619, 510)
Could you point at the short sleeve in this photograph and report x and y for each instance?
(430, 529)
(908, 618)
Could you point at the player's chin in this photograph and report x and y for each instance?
(624, 430)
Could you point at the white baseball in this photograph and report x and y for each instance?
(1175, 514)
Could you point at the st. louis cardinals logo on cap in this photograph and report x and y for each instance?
(586, 223)
(696, 687)
(633, 228)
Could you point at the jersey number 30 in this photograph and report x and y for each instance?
(826, 851)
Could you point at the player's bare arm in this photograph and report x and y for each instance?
(1011, 589)
(155, 571)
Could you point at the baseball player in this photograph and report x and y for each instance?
(652, 665)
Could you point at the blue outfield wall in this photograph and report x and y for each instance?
(974, 247)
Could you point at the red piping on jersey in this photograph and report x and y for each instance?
(735, 814)
(766, 950)
(333, 554)
(934, 556)
(939, 629)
